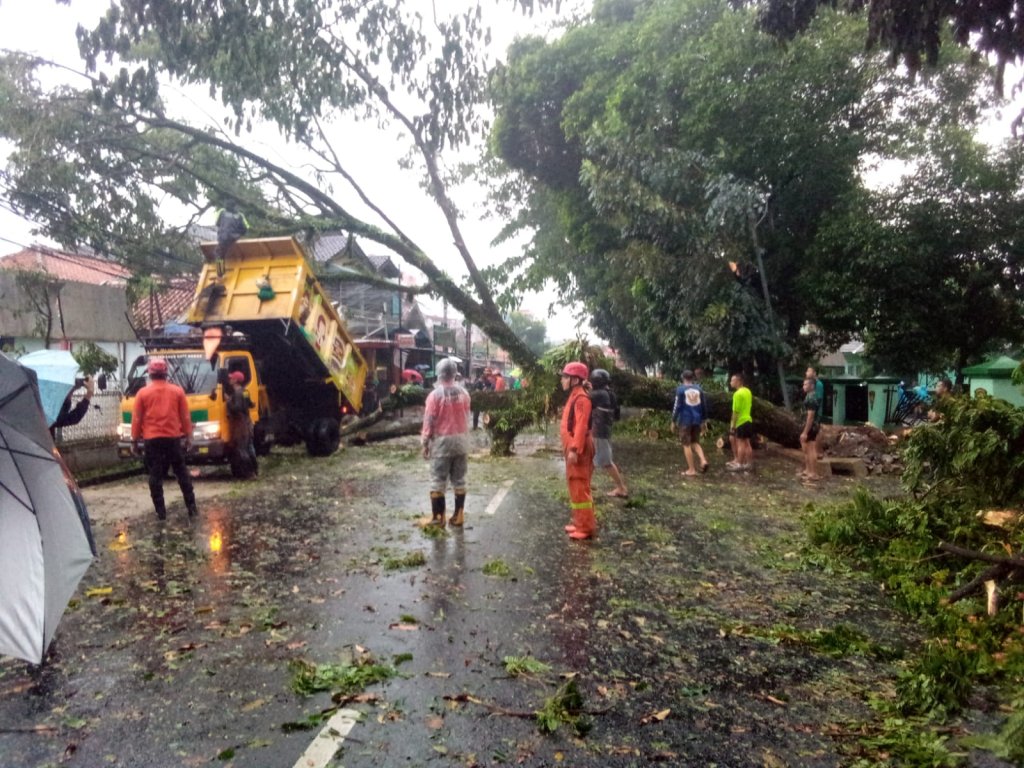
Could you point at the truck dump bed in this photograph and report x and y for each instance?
(271, 294)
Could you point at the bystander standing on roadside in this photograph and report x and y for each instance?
(819, 389)
(689, 414)
(605, 410)
(741, 426)
(161, 423)
(72, 414)
(943, 391)
(809, 433)
(479, 384)
(444, 439)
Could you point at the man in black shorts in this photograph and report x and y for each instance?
(809, 435)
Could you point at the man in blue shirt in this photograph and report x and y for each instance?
(689, 414)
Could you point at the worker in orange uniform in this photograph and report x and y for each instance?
(578, 446)
(161, 421)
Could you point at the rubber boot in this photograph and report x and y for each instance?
(460, 503)
(161, 510)
(437, 509)
(193, 511)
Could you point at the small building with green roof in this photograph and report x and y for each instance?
(994, 376)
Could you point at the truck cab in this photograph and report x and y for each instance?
(203, 382)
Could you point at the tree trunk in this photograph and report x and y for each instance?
(776, 424)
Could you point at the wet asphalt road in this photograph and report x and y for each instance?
(177, 650)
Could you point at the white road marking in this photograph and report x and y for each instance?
(498, 498)
(329, 740)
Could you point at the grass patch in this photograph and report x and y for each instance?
(344, 679)
(499, 569)
(433, 531)
(404, 562)
(836, 642)
(518, 666)
(564, 708)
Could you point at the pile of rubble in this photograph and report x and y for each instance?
(875, 448)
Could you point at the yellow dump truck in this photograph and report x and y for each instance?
(266, 316)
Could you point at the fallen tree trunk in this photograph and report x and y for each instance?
(1002, 568)
(361, 423)
(375, 433)
(776, 424)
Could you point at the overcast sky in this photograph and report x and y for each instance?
(375, 163)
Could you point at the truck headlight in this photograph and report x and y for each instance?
(124, 432)
(206, 430)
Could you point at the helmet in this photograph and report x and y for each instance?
(236, 377)
(157, 367)
(446, 369)
(579, 370)
(599, 377)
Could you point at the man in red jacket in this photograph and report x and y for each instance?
(161, 419)
(578, 446)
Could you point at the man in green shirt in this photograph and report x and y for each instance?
(809, 434)
(819, 388)
(741, 426)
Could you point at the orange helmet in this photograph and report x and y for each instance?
(579, 370)
(157, 367)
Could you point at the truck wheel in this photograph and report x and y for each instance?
(324, 437)
(259, 439)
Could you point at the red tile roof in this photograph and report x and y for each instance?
(71, 267)
(164, 305)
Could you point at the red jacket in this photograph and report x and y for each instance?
(579, 437)
(161, 410)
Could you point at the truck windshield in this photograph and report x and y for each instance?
(190, 372)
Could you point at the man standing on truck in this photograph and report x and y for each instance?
(161, 421)
(445, 442)
(231, 225)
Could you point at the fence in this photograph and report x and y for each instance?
(100, 423)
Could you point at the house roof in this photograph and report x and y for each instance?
(998, 366)
(383, 265)
(69, 267)
(164, 305)
(327, 245)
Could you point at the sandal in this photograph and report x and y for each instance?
(617, 494)
(689, 473)
(704, 467)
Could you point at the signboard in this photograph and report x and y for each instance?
(405, 340)
(444, 337)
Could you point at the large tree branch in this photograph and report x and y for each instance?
(437, 185)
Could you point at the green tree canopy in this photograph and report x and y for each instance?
(532, 331)
(666, 143)
(931, 272)
(95, 165)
